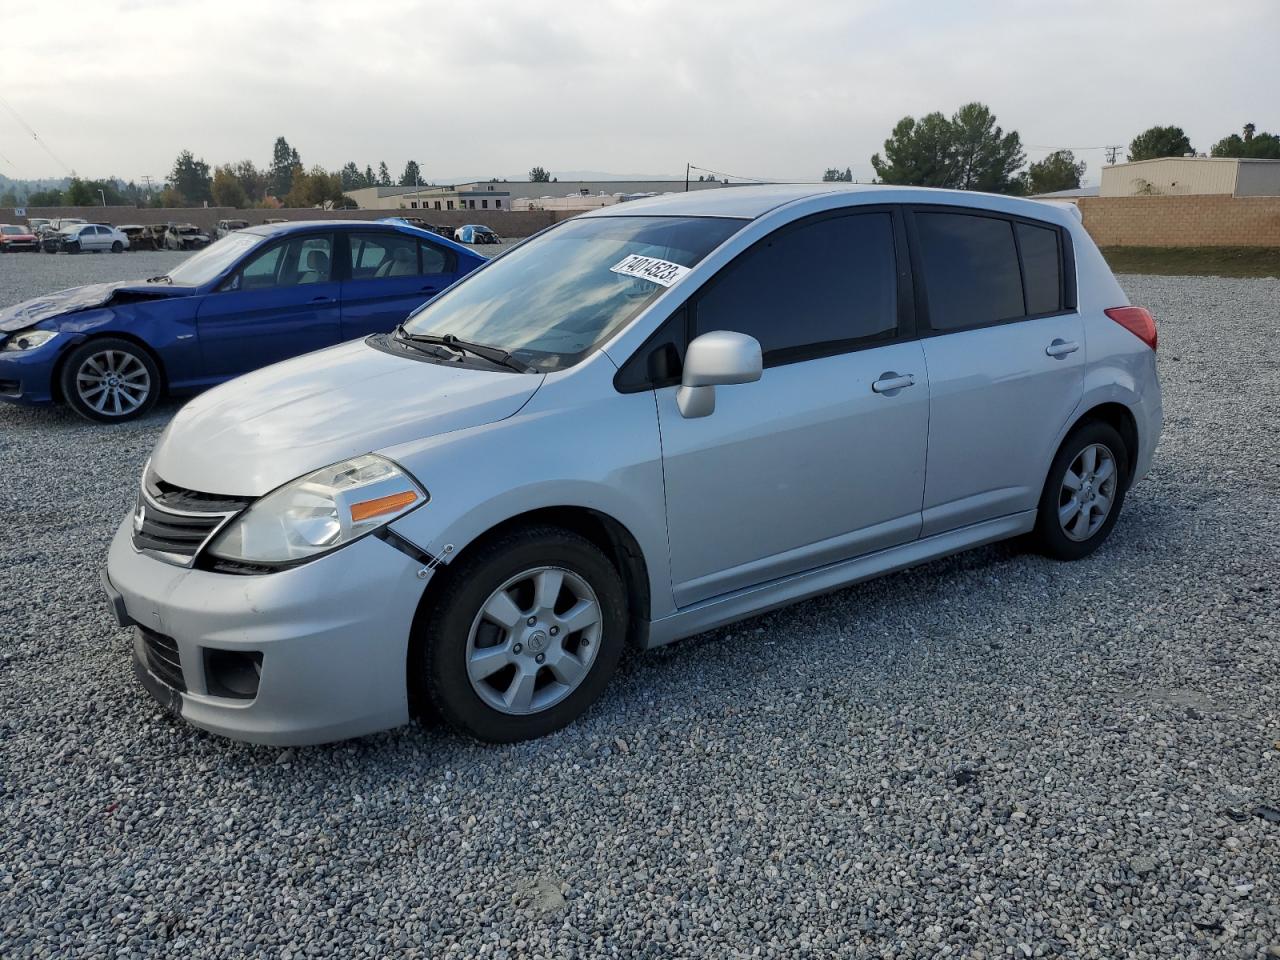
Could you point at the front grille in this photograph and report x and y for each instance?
(176, 522)
(163, 659)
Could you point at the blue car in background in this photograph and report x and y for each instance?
(255, 297)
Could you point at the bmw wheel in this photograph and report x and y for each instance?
(110, 380)
(524, 635)
(1084, 492)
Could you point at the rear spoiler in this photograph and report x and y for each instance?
(1074, 208)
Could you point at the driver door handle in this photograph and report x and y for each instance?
(1061, 348)
(889, 382)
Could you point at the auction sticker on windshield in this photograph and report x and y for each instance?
(662, 272)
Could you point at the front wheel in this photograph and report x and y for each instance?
(117, 247)
(524, 635)
(1083, 493)
(110, 380)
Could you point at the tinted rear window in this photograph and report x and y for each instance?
(970, 270)
(1042, 267)
(832, 281)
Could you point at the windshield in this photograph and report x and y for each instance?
(554, 299)
(202, 267)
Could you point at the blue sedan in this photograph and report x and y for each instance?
(255, 297)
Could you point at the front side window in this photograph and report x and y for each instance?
(815, 288)
(554, 299)
(971, 271)
(210, 262)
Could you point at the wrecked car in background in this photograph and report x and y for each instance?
(229, 226)
(141, 236)
(185, 236)
(14, 238)
(110, 350)
(475, 233)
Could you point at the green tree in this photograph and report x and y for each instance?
(45, 198)
(9, 198)
(1159, 142)
(369, 179)
(190, 177)
(227, 190)
(79, 193)
(352, 178)
(284, 160)
(1058, 171)
(412, 176)
(987, 158)
(1253, 145)
(539, 175)
(315, 188)
(918, 153)
(833, 175)
(384, 175)
(969, 151)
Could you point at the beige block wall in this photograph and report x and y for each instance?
(1201, 221)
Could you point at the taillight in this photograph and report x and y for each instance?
(1137, 321)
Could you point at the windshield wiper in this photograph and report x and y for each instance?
(493, 354)
(163, 278)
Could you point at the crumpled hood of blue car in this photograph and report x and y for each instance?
(254, 433)
(50, 305)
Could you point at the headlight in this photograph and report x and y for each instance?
(29, 339)
(320, 512)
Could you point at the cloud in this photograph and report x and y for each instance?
(761, 88)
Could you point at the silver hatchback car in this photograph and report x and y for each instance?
(640, 424)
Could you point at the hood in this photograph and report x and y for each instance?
(249, 436)
(31, 312)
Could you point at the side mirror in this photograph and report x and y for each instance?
(716, 358)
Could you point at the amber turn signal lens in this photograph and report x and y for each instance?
(376, 508)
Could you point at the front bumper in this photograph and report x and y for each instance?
(26, 376)
(333, 635)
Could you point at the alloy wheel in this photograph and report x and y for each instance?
(113, 383)
(1088, 492)
(534, 640)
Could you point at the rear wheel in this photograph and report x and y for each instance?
(524, 636)
(110, 380)
(1084, 492)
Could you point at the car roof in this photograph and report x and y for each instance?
(751, 202)
(276, 229)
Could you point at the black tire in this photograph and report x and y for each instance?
(1050, 537)
(73, 248)
(117, 247)
(437, 664)
(74, 368)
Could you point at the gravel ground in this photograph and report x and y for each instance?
(991, 755)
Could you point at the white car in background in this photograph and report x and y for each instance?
(90, 237)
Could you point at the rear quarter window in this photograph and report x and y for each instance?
(1042, 268)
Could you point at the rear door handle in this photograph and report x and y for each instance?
(1060, 348)
(322, 299)
(891, 382)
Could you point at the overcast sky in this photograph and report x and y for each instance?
(758, 88)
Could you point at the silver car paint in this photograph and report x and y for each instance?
(744, 538)
(273, 425)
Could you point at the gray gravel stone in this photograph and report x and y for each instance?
(786, 787)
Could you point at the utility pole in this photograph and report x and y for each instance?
(1112, 153)
(686, 178)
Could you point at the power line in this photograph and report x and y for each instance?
(35, 136)
(721, 173)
